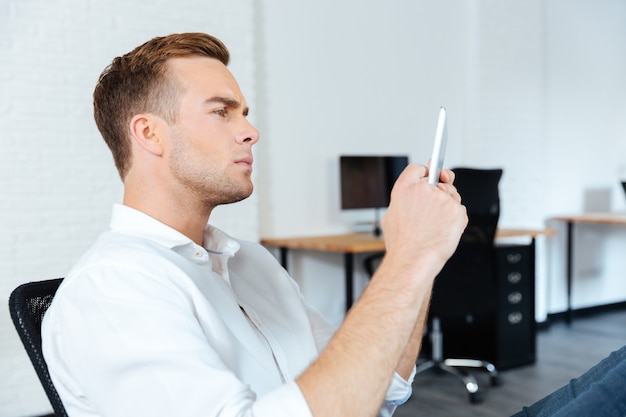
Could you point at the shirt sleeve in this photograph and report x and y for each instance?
(400, 390)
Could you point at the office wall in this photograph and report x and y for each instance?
(585, 124)
(370, 80)
(57, 177)
(350, 78)
(534, 87)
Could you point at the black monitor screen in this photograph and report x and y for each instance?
(366, 181)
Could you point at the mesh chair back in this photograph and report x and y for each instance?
(466, 285)
(28, 304)
(479, 190)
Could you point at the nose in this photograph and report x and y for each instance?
(249, 133)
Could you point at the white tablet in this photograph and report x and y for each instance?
(439, 148)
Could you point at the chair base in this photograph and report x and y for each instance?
(457, 367)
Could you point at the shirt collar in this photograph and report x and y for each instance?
(132, 222)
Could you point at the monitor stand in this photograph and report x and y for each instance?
(377, 230)
(362, 227)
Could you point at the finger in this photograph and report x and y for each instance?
(421, 171)
(450, 190)
(447, 176)
(413, 173)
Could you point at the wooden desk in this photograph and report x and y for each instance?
(354, 243)
(606, 218)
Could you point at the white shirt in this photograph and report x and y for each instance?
(148, 323)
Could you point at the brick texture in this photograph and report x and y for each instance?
(57, 176)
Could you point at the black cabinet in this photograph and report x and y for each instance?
(515, 335)
(505, 335)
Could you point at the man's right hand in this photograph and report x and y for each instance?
(424, 222)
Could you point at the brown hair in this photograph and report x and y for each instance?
(138, 82)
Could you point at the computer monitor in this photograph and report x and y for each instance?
(366, 181)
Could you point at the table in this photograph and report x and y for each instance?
(346, 244)
(355, 243)
(607, 218)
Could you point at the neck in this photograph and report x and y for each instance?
(185, 218)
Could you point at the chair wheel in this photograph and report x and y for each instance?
(476, 397)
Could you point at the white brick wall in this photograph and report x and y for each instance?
(57, 180)
(506, 104)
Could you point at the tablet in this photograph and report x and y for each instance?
(439, 148)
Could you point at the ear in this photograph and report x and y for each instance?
(145, 131)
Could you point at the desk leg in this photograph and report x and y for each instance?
(348, 260)
(283, 257)
(533, 305)
(569, 271)
(348, 264)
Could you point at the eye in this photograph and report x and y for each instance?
(221, 112)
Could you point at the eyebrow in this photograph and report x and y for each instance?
(229, 102)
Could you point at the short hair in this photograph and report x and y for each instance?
(139, 82)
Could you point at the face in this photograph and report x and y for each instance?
(210, 146)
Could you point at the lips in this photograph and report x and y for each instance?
(247, 160)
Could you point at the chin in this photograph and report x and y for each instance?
(235, 198)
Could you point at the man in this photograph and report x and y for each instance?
(166, 316)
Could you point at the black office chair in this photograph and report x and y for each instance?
(464, 293)
(28, 304)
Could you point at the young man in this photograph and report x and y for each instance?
(167, 316)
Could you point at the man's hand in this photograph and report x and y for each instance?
(424, 222)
